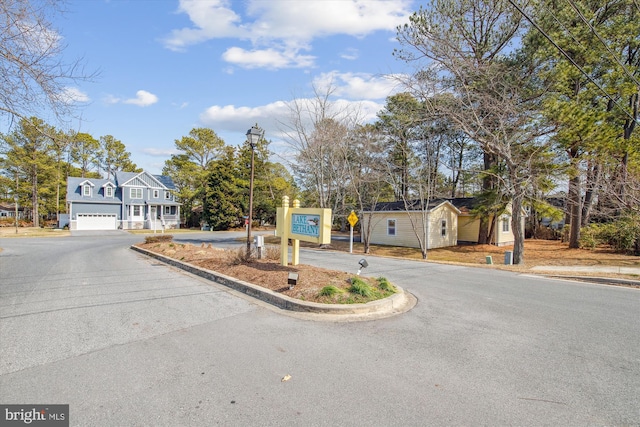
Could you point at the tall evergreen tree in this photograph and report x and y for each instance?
(221, 209)
(189, 168)
(86, 154)
(115, 157)
(589, 55)
(28, 155)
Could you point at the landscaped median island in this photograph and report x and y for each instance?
(314, 286)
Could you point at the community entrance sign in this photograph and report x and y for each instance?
(306, 224)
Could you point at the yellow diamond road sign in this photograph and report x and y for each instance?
(352, 218)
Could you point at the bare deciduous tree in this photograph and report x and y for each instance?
(35, 79)
(317, 131)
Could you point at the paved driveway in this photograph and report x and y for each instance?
(127, 341)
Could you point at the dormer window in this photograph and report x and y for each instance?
(86, 190)
(108, 191)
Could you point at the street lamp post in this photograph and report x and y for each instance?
(15, 202)
(253, 137)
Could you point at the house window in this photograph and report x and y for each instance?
(505, 224)
(136, 211)
(86, 190)
(156, 194)
(391, 227)
(108, 191)
(169, 210)
(136, 193)
(443, 228)
(167, 195)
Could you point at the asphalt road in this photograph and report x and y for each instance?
(127, 341)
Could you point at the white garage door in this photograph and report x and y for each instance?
(96, 222)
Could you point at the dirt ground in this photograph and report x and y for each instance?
(270, 274)
(264, 272)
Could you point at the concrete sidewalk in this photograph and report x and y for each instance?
(589, 268)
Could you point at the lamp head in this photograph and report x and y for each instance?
(253, 135)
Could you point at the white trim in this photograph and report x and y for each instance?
(132, 216)
(506, 223)
(395, 227)
(143, 173)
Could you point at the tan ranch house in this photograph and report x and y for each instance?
(447, 222)
(392, 224)
(469, 227)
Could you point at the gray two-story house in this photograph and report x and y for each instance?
(129, 201)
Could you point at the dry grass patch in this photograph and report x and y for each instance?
(269, 274)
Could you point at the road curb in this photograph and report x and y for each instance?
(598, 280)
(397, 303)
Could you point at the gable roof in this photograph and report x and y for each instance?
(465, 204)
(145, 179)
(412, 205)
(74, 193)
(166, 181)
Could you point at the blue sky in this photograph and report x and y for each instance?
(167, 66)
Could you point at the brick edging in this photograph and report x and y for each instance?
(389, 304)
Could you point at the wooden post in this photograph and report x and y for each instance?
(284, 232)
(295, 246)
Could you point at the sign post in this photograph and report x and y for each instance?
(353, 219)
(296, 223)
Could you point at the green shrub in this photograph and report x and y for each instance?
(158, 238)
(330, 290)
(589, 236)
(384, 284)
(360, 287)
(620, 234)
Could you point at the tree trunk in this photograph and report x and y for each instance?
(491, 235)
(592, 187)
(488, 184)
(575, 212)
(518, 232)
(483, 231)
(34, 197)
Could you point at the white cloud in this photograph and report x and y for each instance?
(271, 117)
(72, 95)
(306, 20)
(110, 99)
(267, 58)
(282, 28)
(350, 54)
(142, 99)
(239, 119)
(211, 18)
(359, 85)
